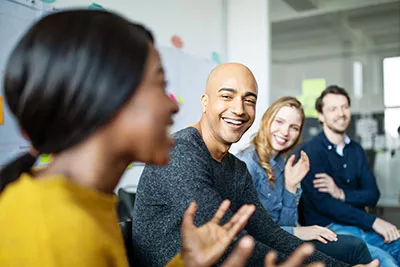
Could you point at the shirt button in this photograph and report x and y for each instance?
(280, 204)
(329, 147)
(269, 194)
(348, 181)
(345, 166)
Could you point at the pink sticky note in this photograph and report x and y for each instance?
(173, 97)
(177, 41)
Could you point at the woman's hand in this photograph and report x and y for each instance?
(203, 246)
(315, 232)
(295, 173)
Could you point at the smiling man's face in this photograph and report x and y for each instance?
(230, 102)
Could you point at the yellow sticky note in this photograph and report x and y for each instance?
(311, 89)
(180, 99)
(44, 158)
(130, 166)
(1, 111)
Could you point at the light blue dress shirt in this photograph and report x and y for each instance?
(280, 203)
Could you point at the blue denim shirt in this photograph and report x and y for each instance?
(351, 172)
(280, 203)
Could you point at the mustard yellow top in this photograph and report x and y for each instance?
(54, 222)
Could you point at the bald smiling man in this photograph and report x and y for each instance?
(202, 169)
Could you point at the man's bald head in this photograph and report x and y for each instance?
(229, 74)
(228, 105)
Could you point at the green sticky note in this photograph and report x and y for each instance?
(130, 166)
(95, 6)
(44, 158)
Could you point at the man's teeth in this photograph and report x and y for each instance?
(233, 121)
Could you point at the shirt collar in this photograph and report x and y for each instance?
(328, 144)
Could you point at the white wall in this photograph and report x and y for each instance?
(336, 67)
(199, 23)
(248, 42)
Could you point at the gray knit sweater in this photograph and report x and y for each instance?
(163, 195)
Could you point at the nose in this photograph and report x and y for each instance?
(237, 107)
(173, 106)
(340, 112)
(284, 130)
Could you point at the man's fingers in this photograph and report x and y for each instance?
(320, 179)
(299, 256)
(393, 234)
(238, 257)
(397, 234)
(386, 235)
(320, 183)
(320, 175)
(221, 211)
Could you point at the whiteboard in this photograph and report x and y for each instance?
(186, 75)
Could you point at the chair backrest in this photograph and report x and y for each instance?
(124, 211)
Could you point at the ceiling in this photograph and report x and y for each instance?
(353, 25)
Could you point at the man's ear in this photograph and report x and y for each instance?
(320, 117)
(204, 102)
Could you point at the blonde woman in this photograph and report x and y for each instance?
(278, 184)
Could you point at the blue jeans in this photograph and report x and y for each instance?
(388, 254)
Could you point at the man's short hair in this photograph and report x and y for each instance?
(332, 89)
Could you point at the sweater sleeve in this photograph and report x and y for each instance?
(368, 193)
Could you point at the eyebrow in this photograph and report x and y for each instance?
(293, 124)
(234, 91)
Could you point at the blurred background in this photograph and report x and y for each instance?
(294, 47)
(356, 45)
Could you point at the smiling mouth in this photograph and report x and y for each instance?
(234, 122)
(281, 141)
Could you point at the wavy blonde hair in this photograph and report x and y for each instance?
(262, 140)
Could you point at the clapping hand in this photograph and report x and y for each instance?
(295, 173)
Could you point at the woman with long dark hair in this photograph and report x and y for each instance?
(88, 87)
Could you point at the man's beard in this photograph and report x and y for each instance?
(338, 131)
